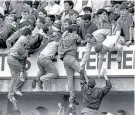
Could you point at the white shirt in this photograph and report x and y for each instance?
(36, 31)
(50, 50)
(109, 42)
(96, 4)
(101, 34)
(53, 9)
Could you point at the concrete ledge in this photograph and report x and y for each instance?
(61, 86)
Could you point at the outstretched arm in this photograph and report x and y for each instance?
(83, 79)
(108, 86)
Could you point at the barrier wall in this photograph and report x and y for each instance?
(125, 68)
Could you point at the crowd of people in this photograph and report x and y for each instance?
(58, 27)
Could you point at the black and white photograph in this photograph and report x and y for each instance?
(67, 57)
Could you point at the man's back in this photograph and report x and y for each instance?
(93, 96)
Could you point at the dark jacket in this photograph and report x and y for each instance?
(88, 29)
(92, 97)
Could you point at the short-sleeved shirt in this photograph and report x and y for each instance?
(123, 25)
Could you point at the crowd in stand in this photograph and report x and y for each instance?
(54, 27)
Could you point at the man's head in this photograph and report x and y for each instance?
(50, 19)
(26, 32)
(114, 19)
(45, 29)
(116, 9)
(25, 14)
(91, 82)
(66, 23)
(42, 13)
(86, 19)
(98, 48)
(57, 26)
(102, 14)
(73, 15)
(79, 20)
(90, 38)
(121, 112)
(41, 110)
(40, 22)
(10, 18)
(68, 4)
(87, 10)
(103, 113)
(72, 29)
(123, 10)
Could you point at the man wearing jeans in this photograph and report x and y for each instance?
(67, 51)
(47, 70)
(92, 96)
(16, 60)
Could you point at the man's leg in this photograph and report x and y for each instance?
(118, 47)
(86, 55)
(40, 73)
(70, 72)
(15, 69)
(51, 71)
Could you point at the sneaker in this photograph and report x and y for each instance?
(34, 83)
(40, 84)
(119, 58)
(18, 93)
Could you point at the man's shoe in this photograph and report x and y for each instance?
(34, 83)
(18, 93)
(40, 84)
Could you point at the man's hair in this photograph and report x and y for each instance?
(98, 47)
(16, 112)
(87, 9)
(26, 32)
(86, 17)
(45, 28)
(123, 6)
(70, 2)
(72, 28)
(104, 113)
(42, 20)
(122, 111)
(101, 11)
(42, 110)
(25, 23)
(91, 82)
(71, 12)
(68, 20)
(52, 17)
(43, 11)
(115, 17)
